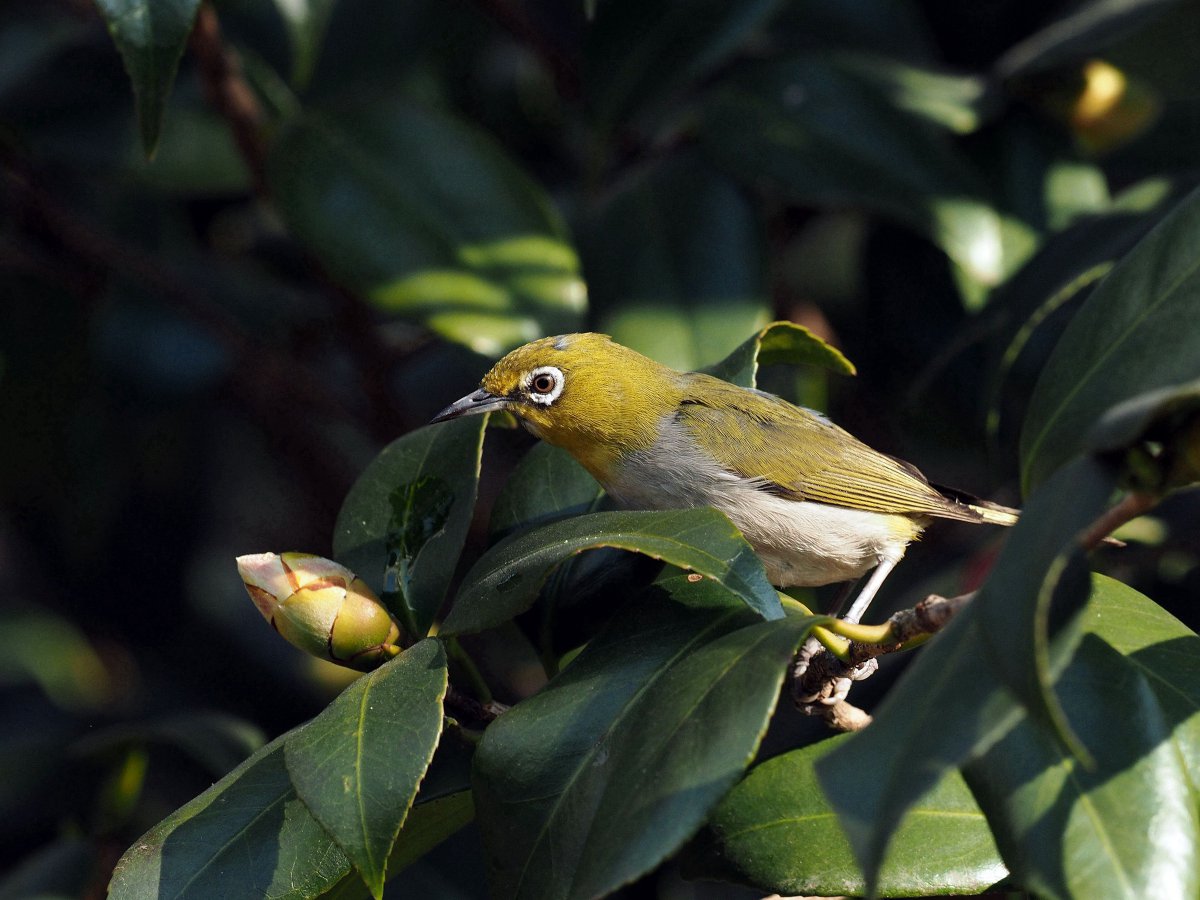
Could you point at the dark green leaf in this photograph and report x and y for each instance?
(780, 343)
(306, 22)
(638, 54)
(676, 264)
(1128, 827)
(506, 580)
(403, 524)
(216, 741)
(945, 709)
(1040, 567)
(1158, 434)
(547, 484)
(1079, 34)
(150, 35)
(776, 831)
(248, 835)
(357, 765)
(607, 771)
(429, 219)
(1134, 334)
(65, 868)
(814, 129)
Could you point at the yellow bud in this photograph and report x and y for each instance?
(321, 607)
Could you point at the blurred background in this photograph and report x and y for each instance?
(351, 208)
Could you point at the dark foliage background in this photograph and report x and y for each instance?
(199, 353)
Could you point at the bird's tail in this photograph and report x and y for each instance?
(985, 510)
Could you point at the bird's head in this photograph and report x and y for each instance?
(580, 391)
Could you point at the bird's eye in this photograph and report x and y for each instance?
(544, 385)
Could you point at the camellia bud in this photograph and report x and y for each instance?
(321, 607)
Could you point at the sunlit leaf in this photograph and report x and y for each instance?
(429, 219)
(306, 22)
(776, 831)
(779, 343)
(1135, 333)
(357, 765)
(506, 580)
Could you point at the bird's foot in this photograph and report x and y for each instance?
(821, 681)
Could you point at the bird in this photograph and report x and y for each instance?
(816, 504)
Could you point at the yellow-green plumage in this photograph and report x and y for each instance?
(817, 504)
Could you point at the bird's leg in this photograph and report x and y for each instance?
(867, 594)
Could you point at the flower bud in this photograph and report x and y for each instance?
(321, 607)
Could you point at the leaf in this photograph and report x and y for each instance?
(776, 831)
(1040, 572)
(812, 128)
(595, 780)
(306, 21)
(429, 219)
(506, 580)
(403, 524)
(63, 868)
(248, 834)
(547, 484)
(214, 740)
(1128, 827)
(780, 343)
(1135, 333)
(1078, 35)
(1158, 434)
(945, 709)
(661, 48)
(150, 36)
(676, 263)
(357, 765)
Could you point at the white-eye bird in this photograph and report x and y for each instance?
(816, 504)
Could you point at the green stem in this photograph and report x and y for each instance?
(838, 646)
(480, 687)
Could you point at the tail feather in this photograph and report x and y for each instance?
(984, 510)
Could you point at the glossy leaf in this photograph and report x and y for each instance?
(945, 709)
(506, 580)
(813, 129)
(248, 833)
(1040, 571)
(357, 765)
(780, 343)
(598, 778)
(662, 47)
(1135, 333)
(546, 485)
(306, 21)
(1158, 435)
(150, 35)
(430, 220)
(1128, 827)
(403, 524)
(776, 831)
(676, 264)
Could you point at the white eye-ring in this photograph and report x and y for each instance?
(544, 384)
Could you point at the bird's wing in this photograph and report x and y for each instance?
(801, 454)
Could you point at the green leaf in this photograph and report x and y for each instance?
(776, 831)
(403, 524)
(780, 343)
(150, 35)
(357, 765)
(1158, 433)
(216, 741)
(1134, 334)
(306, 21)
(638, 54)
(676, 263)
(429, 219)
(1127, 827)
(547, 484)
(595, 780)
(506, 580)
(946, 708)
(248, 834)
(812, 128)
(1041, 571)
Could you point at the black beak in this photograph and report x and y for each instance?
(472, 404)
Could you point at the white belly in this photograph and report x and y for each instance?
(800, 542)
